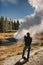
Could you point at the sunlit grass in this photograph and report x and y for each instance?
(5, 35)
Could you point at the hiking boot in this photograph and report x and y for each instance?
(24, 58)
(27, 59)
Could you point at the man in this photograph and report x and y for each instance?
(27, 40)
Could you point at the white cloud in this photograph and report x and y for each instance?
(38, 4)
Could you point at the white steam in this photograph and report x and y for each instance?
(38, 4)
(34, 22)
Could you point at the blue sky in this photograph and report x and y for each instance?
(15, 9)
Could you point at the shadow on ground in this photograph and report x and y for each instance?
(21, 63)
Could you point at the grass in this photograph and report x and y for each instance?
(5, 35)
(10, 55)
(41, 44)
(35, 44)
(1, 59)
(9, 51)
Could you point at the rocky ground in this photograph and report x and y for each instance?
(36, 58)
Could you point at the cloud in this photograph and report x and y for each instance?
(34, 22)
(38, 4)
(11, 1)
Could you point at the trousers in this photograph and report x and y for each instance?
(24, 49)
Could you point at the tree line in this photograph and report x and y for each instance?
(6, 25)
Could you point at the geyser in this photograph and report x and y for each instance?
(32, 23)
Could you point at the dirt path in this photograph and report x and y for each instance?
(35, 57)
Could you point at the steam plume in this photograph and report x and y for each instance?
(34, 22)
